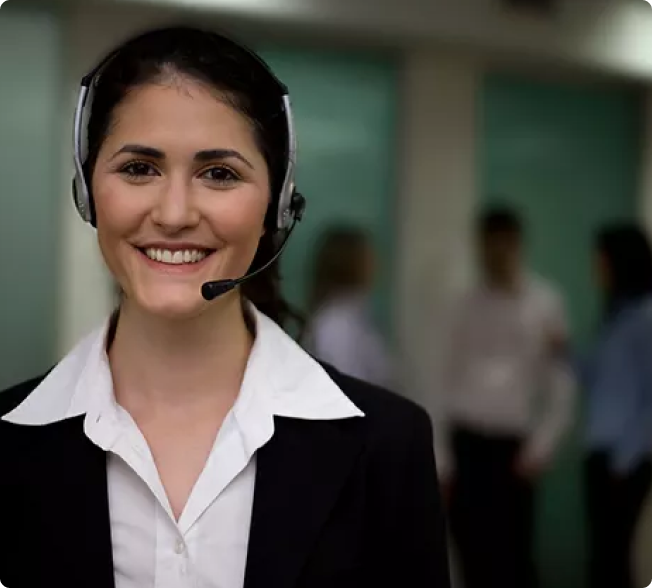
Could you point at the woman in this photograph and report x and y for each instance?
(189, 441)
(341, 331)
(619, 420)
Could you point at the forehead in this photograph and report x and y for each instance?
(183, 113)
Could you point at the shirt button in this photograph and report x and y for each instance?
(179, 547)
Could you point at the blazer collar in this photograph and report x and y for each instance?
(301, 472)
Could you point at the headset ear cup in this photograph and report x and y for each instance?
(91, 201)
(297, 205)
(74, 194)
(91, 204)
(91, 218)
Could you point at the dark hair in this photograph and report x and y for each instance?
(499, 220)
(626, 251)
(243, 82)
(337, 265)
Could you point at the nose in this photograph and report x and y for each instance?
(175, 208)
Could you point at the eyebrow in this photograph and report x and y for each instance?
(200, 156)
(211, 154)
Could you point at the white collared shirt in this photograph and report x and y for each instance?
(207, 546)
(342, 334)
(502, 374)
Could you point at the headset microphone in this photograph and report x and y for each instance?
(211, 290)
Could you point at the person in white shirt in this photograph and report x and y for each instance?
(341, 330)
(189, 441)
(507, 400)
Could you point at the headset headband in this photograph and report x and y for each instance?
(286, 205)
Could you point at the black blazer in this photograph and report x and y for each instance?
(337, 504)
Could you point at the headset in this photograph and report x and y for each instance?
(290, 204)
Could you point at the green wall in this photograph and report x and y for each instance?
(567, 156)
(30, 189)
(345, 107)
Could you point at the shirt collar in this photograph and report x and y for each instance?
(281, 379)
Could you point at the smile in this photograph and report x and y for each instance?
(176, 257)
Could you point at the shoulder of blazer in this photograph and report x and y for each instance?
(14, 396)
(22, 440)
(387, 414)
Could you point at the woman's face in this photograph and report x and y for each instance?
(181, 191)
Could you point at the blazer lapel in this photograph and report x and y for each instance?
(73, 515)
(300, 473)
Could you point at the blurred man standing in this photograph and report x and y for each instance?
(507, 400)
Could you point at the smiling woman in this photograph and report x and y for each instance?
(196, 170)
(189, 440)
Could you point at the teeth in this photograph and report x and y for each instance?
(175, 257)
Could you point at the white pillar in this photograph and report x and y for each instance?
(435, 207)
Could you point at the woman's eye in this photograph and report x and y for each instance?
(220, 175)
(138, 169)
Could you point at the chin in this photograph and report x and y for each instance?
(173, 303)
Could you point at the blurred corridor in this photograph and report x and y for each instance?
(410, 119)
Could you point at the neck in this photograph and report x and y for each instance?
(159, 362)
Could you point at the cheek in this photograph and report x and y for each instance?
(118, 216)
(114, 206)
(239, 220)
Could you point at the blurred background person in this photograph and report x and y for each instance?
(496, 439)
(618, 381)
(341, 330)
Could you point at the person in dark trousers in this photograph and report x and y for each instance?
(618, 383)
(188, 440)
(507, 401)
